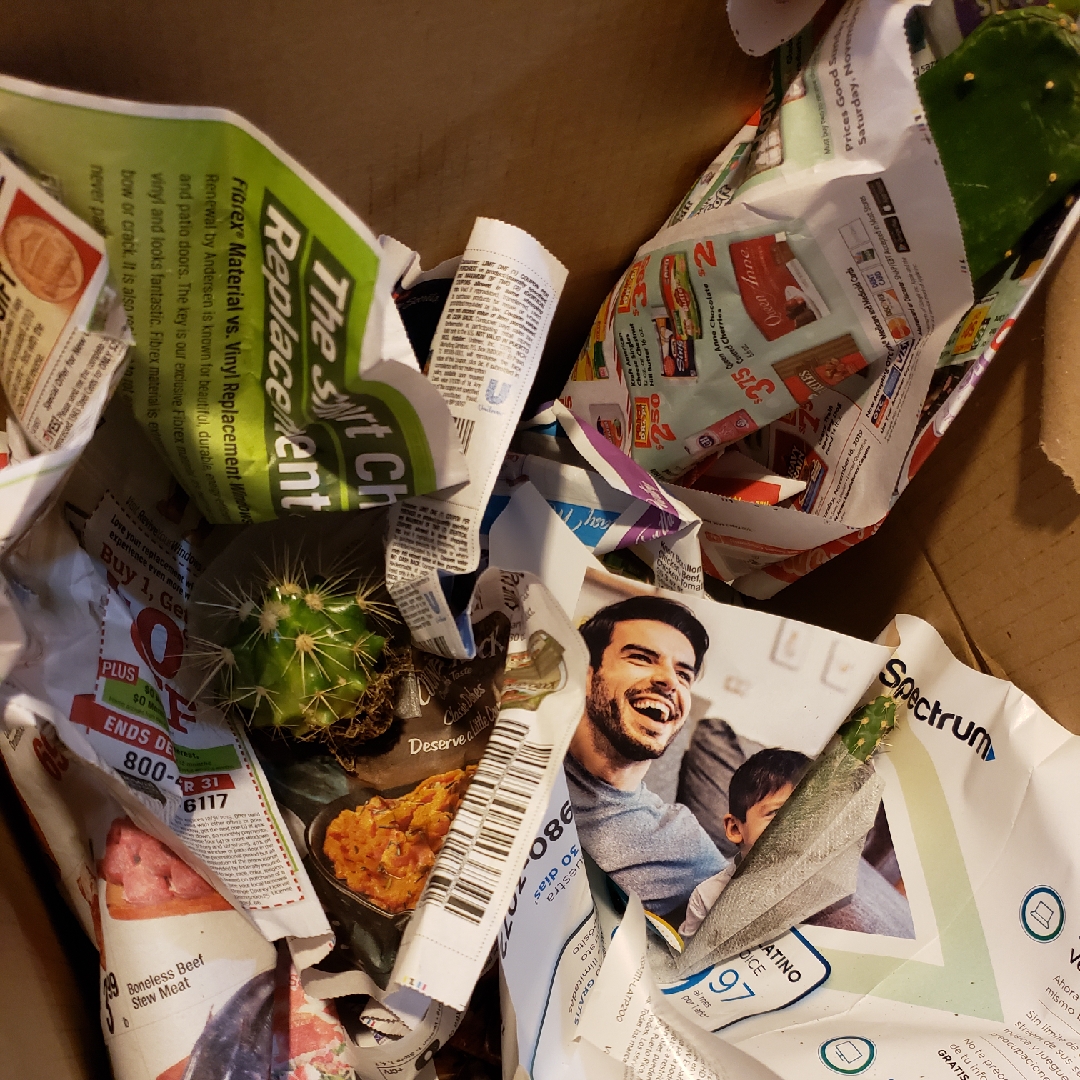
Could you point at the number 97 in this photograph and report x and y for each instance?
(728, 979)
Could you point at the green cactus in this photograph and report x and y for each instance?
(301, 656)
(863, 733)
(1004, 110)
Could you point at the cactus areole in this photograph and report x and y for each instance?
(302, 656)
(1004, 110)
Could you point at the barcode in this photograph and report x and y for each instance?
(464, 430)
(478, 844)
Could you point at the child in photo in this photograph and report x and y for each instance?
(759, 787)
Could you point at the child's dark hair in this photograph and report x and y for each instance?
(761, 775)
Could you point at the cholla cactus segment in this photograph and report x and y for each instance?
(868, 726)
(301, 656)
(1004, 110)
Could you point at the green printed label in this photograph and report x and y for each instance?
(190, 761)
(331, 449)
(248, 295)
(139, 700)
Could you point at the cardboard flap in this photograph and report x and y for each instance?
(1059, 436)
(761, 25)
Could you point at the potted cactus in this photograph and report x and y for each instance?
(304, 655)
(293, 633)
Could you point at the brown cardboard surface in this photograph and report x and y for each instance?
(984, 543)
(48, 1028)
(581, 122)
(1061, 365)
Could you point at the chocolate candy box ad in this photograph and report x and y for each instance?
(411, 661)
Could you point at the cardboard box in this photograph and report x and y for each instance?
(584, 124)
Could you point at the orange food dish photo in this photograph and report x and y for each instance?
(385, 849)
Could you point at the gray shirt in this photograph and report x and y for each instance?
(650, 847)
(876, 907)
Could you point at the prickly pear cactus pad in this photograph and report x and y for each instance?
(1004, 110)
(863, 733)
(303, 656)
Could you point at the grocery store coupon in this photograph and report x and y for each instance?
(195, 764)
(52, 272)
(473, 881)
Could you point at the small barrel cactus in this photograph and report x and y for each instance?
(300, 657)
(863, 733)
(1004, 110)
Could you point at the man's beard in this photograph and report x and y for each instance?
(602, 708)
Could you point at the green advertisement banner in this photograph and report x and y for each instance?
(254, 299)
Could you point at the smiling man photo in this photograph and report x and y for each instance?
(644, 655)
